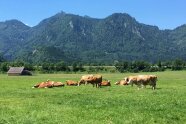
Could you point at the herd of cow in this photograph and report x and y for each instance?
(96, 80)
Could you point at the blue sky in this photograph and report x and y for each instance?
(166, 14)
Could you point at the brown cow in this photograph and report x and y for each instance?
(105, 83)
(121, 82)
(142, 80)
(71, 83)
(84, 79)
(37, 85)
(58, 84)
(133, 80)
(92, 79)
(48, 84)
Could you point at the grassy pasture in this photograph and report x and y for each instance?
(20, 104)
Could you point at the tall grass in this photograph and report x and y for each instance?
(20, 104)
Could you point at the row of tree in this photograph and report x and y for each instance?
(44, 67)
(143, 66)
(125, 66)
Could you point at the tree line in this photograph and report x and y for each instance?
(142, 66)
(122, 67)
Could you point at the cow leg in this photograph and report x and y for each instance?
(153, 83)
(129, 82)
(139, 85)
(99, 85)
(143, 86)
(153, 88)
(138, 88)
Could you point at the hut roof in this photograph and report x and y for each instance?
(15, 70)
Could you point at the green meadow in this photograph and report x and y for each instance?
(20, 104)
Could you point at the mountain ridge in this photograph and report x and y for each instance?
(71, 38)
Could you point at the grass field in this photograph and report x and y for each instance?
(20, 104)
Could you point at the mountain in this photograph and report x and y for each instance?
(13, 34)
(178, 36)
(72, 38)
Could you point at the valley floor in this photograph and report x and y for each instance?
(19, 103)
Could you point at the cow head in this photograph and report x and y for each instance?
(37, 85)
(126, 79)
(80, 82)
(125, 83)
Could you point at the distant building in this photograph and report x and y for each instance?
(17, 71)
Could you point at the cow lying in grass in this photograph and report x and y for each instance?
(92, 79)
(71, 83)
(142, 80)
(48, 84)
(105, 83)
(121, 82)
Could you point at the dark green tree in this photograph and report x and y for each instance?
(178, 64)
(62, 66)
(159, 64)
(29, 66)
(75, 67)
(4, 66)
(80, 67)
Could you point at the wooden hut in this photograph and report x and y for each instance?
(17, 71)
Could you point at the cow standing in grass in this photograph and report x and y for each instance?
(92, 79)
(142, 80)
(84, 79)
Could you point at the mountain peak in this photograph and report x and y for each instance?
(14, 21)
(181, 27)
(15, 24)
(120, 15)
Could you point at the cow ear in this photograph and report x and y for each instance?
(127, 79)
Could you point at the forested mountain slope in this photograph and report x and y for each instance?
(72, 38)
